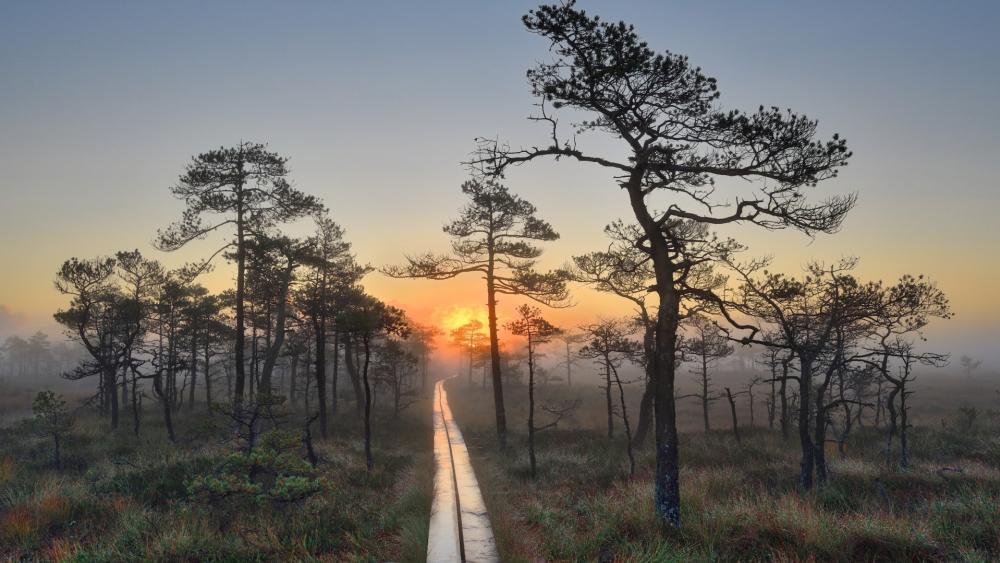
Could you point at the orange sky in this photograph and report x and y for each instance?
(958, 255)
(100, 116)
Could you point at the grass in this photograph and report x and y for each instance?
(127, 498)
(740, 502)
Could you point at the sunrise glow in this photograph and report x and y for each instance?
(454, 316)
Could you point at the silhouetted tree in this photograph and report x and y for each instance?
(247, 187)
(707, 344)
(333, 268)
(39, 352)
(609, 346)
(52, 420)
(753, 382)
(469, 336)
(969, 365)
(141, 279)
(285, 255)
(28, 358)
(16, 351)
(395, 367)
(769, 358)
(730, 396)
(369, 319)
(819, 318)
(166, 362)
(625, 270)
(215, 335)
(569, 340)
(422, 343)
(196, 313)
(851, 388)
(780, 361)
(530, 324)
(493, 237)
(905, 309)
(295, 349)
(102, 318)
(675, 140)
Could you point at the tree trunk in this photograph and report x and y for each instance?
(111, 385)
(274, 347)
(293, 380)
(159, 391)
(102, 380)
(501, 415)
(904, 450)
(397, 390)
(531, 409)
(319, 327)
(194, 368)
(308, 380)
(135, 405)
(785, 433)
(805, 441)
(704, 392)
(350, 361)
(890, 407)
(646, 404)
(607, 397)
(878, 404)
(369, 461)
(240, 298)
(819, 442)
(335, 375)
(628, 427)
(772, 406)
(645, 416)
(667, 478)
(667, 497)
(253, 359)
(732, 410)
(168, 420)
(124, 399)
(569, 366)
(208, 371)
(848, 418)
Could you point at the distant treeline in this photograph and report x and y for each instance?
(36, 358)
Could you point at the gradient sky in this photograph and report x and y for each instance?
(376, 103)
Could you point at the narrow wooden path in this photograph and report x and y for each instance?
(460, 526)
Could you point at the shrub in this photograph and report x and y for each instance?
(159, 483)
(272, 472)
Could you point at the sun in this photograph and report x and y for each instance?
(456, 315)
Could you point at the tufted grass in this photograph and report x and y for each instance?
(739, 501)
(121, 498)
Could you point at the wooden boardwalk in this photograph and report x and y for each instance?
(460, 526)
